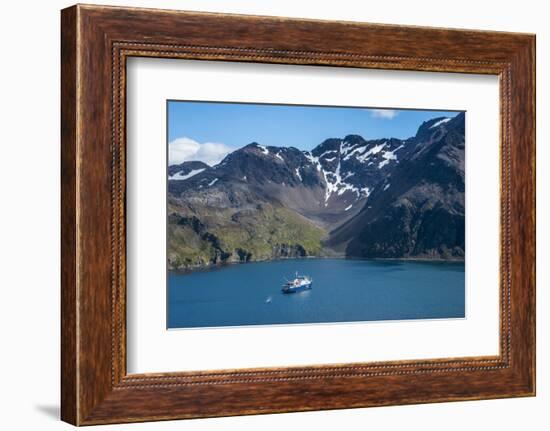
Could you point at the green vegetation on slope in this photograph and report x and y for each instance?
(200, 238)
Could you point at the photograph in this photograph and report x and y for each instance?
(300, 214)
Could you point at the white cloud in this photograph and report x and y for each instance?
(386, 114)
(186, 149)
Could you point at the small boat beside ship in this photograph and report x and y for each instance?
(298, 284)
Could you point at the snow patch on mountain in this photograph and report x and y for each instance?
(326, 153)
(349, 174)
(314, 160)
(440, 122)
(336, 185)
(332, 181)
(374, 150)
(389, 155)
(263, 148)
(179, 177)
(345, 147)
(358, 151)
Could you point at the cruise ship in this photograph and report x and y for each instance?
(300, 283)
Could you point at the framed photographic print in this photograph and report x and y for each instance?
(267, 215)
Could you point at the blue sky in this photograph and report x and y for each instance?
(224, 127)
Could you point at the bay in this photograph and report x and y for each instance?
(344, 290)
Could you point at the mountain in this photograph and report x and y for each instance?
(419, 210)
(185, 170)
(350, 197)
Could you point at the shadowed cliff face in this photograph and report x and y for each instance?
(352, 197)
(419, 210)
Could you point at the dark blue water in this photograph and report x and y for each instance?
(343, 291)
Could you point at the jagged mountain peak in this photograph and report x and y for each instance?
(354, 139)
(328, 146)
(186, 170)
(437, 124)
(269, 151)
(255, 147)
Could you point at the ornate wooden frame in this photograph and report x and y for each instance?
(96, 41)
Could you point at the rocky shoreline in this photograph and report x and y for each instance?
(216, 266)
